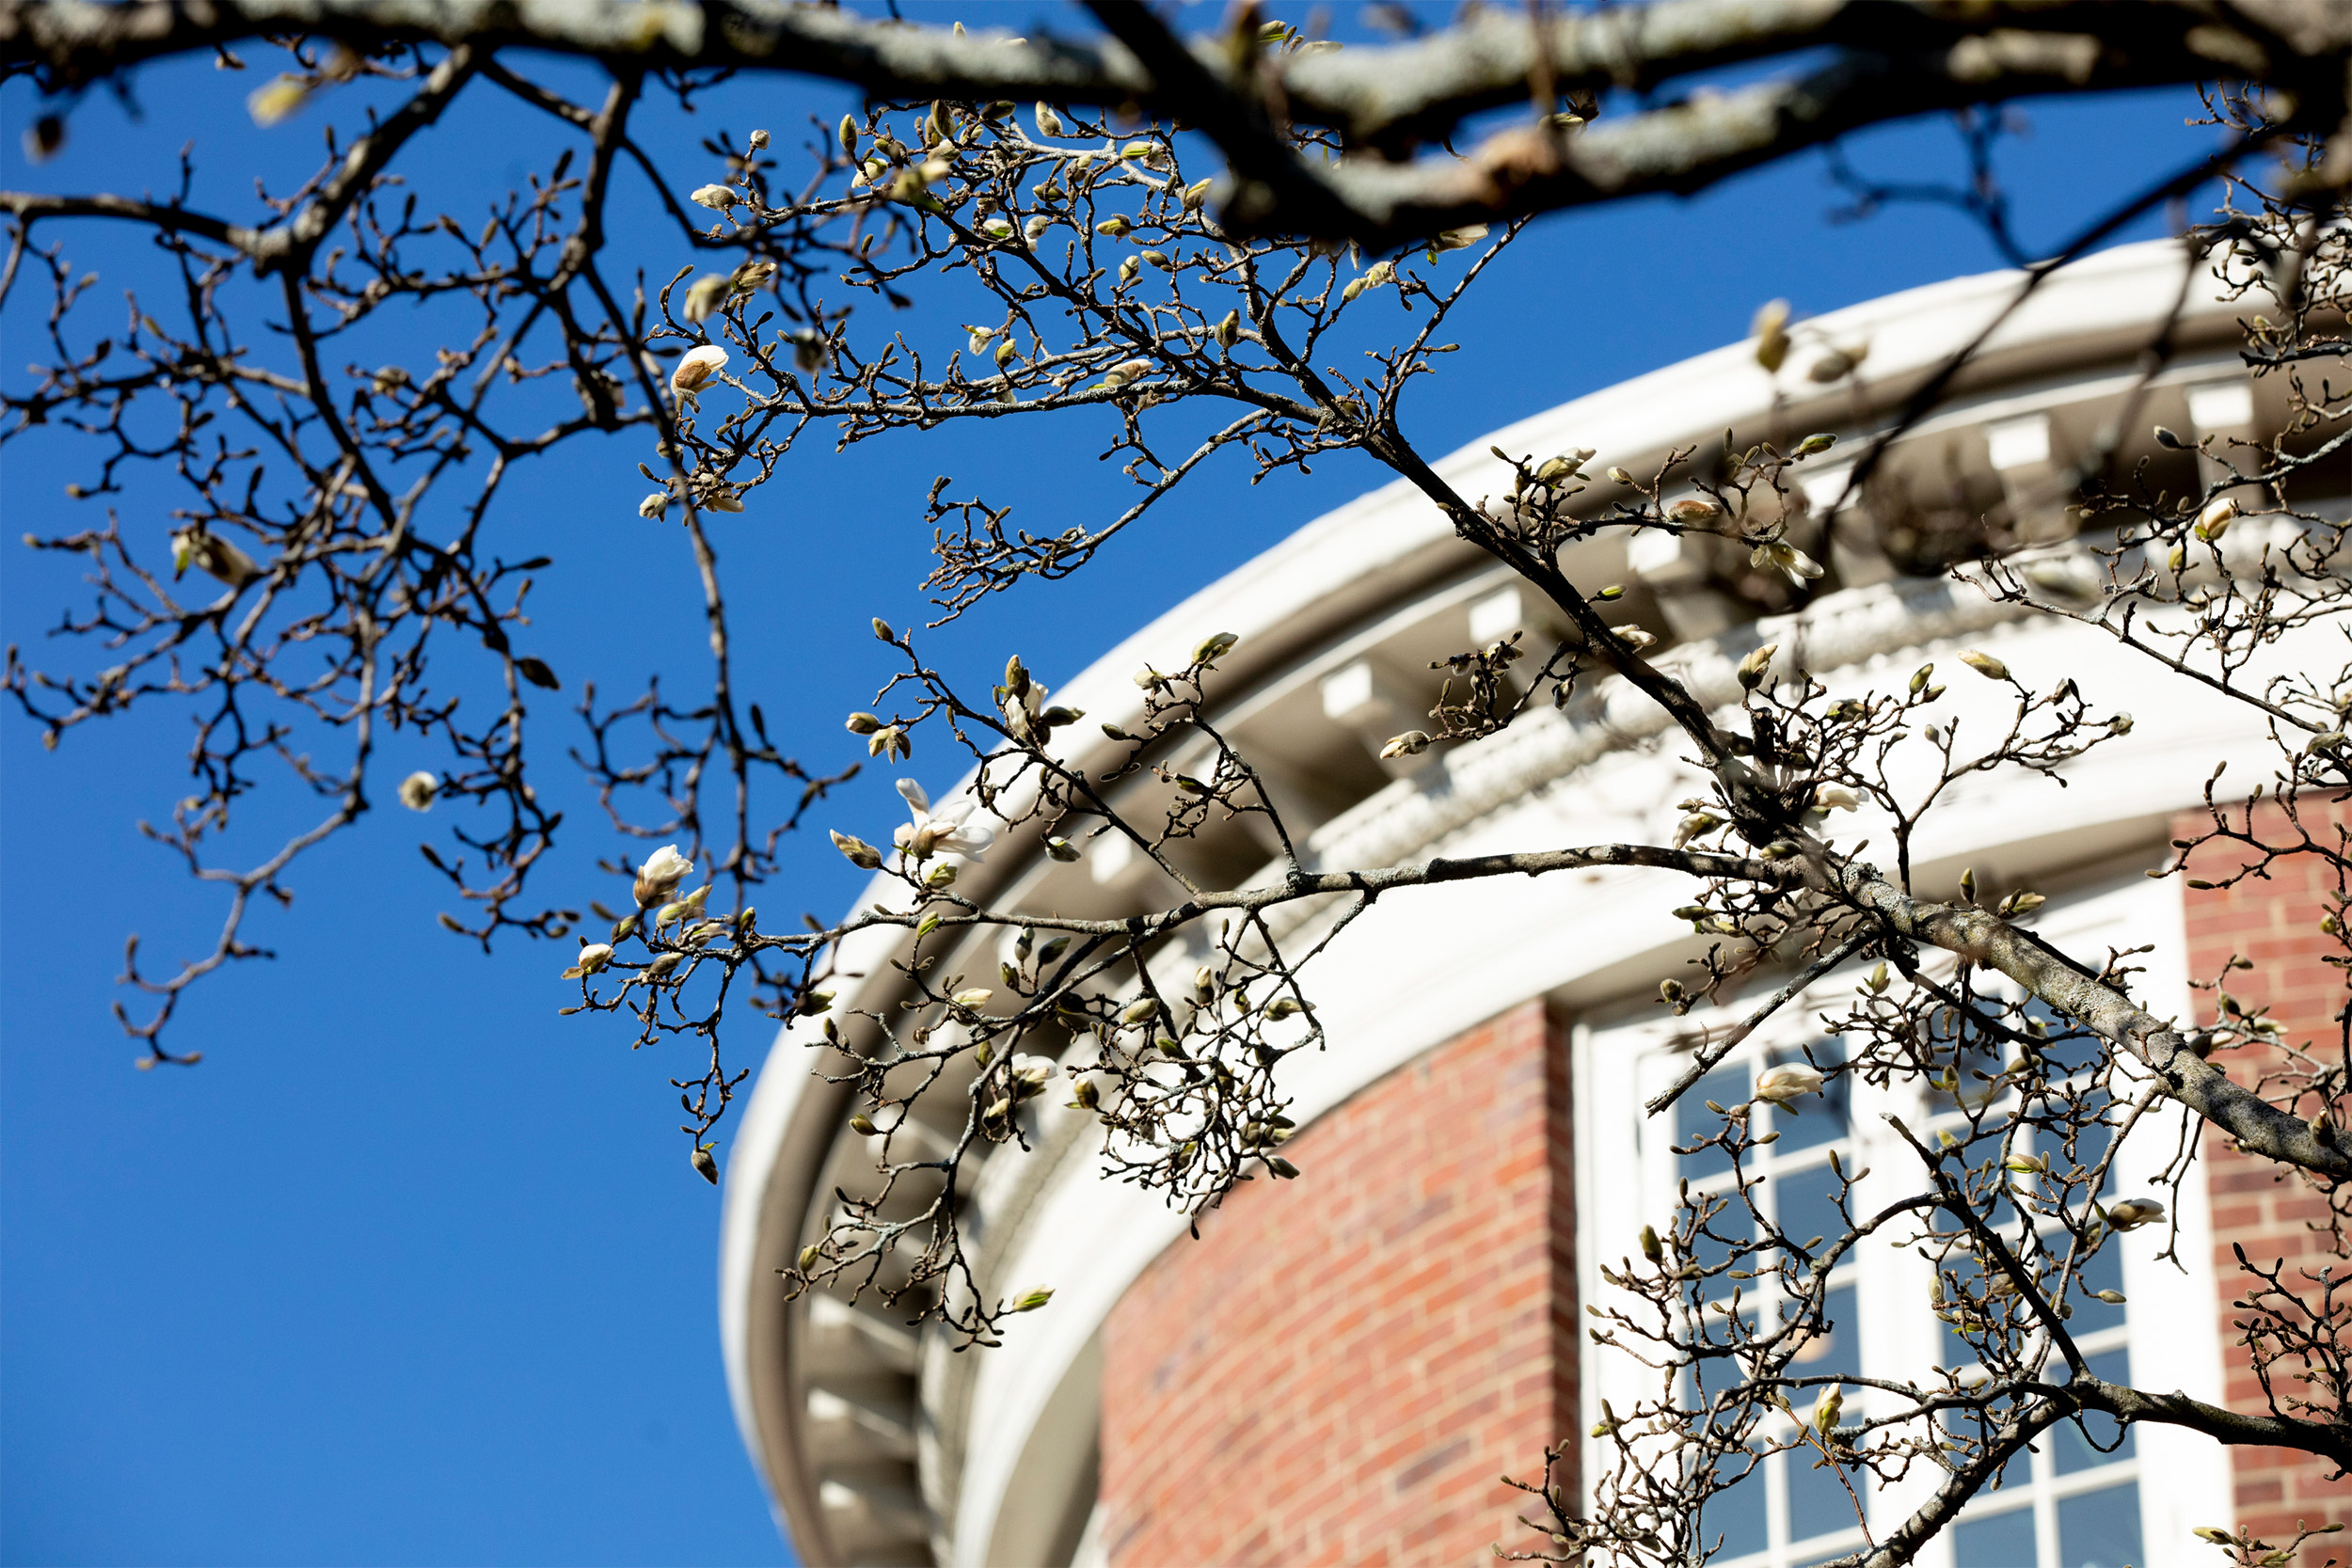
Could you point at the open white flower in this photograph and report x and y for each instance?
(1834, 797)
(1028, 1075)
(1783, 1083)
(946, 831)
(698, 366)
(660, 875)
(417, 791)
(1779, 556)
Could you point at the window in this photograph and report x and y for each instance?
(2076, 1499)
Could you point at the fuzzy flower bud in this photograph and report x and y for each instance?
(417, 791)
(1783, 1083)
(860, 853)
(592, 957)
(704, 295)
(1986, 665)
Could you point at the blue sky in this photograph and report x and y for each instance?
(410, 1271)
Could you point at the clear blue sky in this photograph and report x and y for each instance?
(409, 1271)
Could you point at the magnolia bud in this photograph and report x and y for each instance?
(1411, 743)
(1986, 665)
(2215, 520)
(1061, 849)
(861, 854)
(417, 791)
(1214, 647)
(1048, 122)
(1812, 444)
(1228, 330)
(1029, 1301)
(704, 1163)
(1770, 330)
(1754, 667)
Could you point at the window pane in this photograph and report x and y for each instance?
(2017, 1472)
(1728, 1086)
(2100, 1529)
(2071, 1449)
(1815, 1119)
(2103, 1272)
(1737, 1513)
(1836, 1338)
(1808, 1207)
(1818, 1503)
(2070, 1056)
(1962, 1049)
(2004, 1541)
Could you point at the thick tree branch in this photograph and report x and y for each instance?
(1896, 61)
(1985, 938)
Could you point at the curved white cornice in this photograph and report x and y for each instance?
(1552, 780)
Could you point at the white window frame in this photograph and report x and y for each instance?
(2172, 1328)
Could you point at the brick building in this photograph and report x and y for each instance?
(1340, 1368)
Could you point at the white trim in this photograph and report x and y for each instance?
(2171, 1320)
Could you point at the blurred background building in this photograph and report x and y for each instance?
(1341, 1367)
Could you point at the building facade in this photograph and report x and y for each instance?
(1340, 1368)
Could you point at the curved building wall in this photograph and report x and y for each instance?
(1341, 1366)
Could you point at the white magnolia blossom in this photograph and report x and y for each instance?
(2215, 520)
(1783, 557)
(660, 875)
(1028, 1075)
(698, 366)
(1783, 1083)
(654, 505)
(592, 957)
(1834, 797)
(417, 791)
(944, 831)
(2133, 1213)
(717, 197)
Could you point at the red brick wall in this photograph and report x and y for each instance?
(1342, 1365)
(2276, 925)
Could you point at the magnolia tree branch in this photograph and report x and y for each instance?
(1894, 61)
